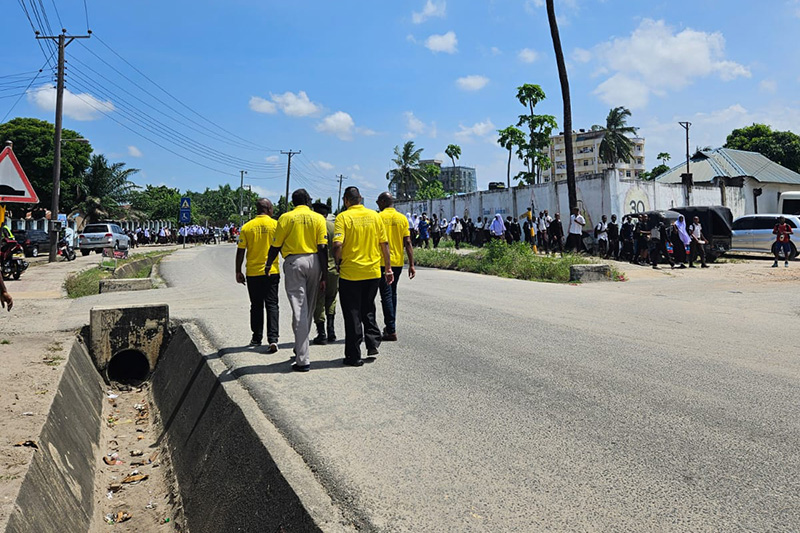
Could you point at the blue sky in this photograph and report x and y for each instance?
(346, 81)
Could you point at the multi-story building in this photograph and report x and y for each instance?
(586, 155)
(456, 179)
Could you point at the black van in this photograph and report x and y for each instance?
(717, 221)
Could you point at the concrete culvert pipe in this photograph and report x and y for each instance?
(128, 366)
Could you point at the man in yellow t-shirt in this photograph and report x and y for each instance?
(262, 287)
(359, 245)
(302, 239)
(399, 238)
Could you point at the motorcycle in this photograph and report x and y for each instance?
(65, 250)
(11, 265)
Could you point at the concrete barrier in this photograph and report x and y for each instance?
(129, 269)
(115, 329)
(234, 469)
(128, 284)
(584, 273)
(57, 494)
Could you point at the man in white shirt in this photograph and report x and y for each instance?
(542, 236)
(576, 223)
(601, 234)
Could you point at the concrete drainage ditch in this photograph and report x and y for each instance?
(149, 431)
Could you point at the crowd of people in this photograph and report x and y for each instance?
(355, 257)
(190, 234)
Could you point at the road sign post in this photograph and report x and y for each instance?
(185, 215)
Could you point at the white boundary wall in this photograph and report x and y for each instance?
(602, 194)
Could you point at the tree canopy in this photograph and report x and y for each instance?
(782, 147)
(616, 147)
(407, 176)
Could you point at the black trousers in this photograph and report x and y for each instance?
(358, 309)
(263, 292)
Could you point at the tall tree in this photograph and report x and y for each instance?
(783, 147)
(562, 76)
(33, 146)
(509, 138)
(407, 175)
(663, 157)
(540, 128)
(157, 203)
(616, 147)
(104, 189)
(453, 151)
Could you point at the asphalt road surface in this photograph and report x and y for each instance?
(667, 403)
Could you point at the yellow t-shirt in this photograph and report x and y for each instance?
(396, 228)
(361, 232)
(300, 231)
(255, 237)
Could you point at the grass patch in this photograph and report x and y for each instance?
(87, 283)
(54, 360)
(507, 261)
(449, 244)
(5, 341)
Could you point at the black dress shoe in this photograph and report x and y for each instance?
(372, 352)
(255, 341)
(353, 362)
(300, 368)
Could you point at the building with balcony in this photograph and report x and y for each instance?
(586, 156)
(456, 179)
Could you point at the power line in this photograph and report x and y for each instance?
(180, 102)
(58, 15)
(33, 80)
(86, 11)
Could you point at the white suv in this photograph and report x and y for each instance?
(753, 233)
(103, 235)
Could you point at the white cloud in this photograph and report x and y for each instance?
(472, 83)
(259, 105)
(431, 9)
(356, 167)
(768, 86)
(295, 105)
(366, 132)
(479, 129)
(532, 5)
(656, 59)
(495, 51)
(447, 43)
(410, 38)
(134, 152)
(271, 159)
(414, 125)
(324, 165)
(340, 124)
(526, 55)
(579, 55)
(77, 106)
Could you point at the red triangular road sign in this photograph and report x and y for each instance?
(14, 184)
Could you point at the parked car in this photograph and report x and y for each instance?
(753, 233)
(33, 241)
(103, 235)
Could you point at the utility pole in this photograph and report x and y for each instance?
(241, 193)
(685, 126)
(63, 40)
(339, 200)
(288, 174)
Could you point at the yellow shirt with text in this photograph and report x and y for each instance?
(255, 237)
(300, 231)
(361, 232)
(396, 225)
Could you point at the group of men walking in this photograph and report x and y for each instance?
(354, 257)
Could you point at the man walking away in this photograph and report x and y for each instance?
(301, 238)
(436, 231)
(325, 310)
(782, 231)
(262, 285)
(626, 234)
(698, 243)
(399, 239)
(359, 243)
(556, 233)
(576, 223)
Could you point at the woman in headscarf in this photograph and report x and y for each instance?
(681, 247)
(498, 228)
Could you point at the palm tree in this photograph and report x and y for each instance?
(453, 151)
(616, 146)
(104, 188)
(562, 76)
(663, 157)
(509, 138)
(407, 173)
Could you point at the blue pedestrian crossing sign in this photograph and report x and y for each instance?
(185, 213)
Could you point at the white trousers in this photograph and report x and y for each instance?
(302, 274)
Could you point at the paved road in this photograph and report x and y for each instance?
(667, 403)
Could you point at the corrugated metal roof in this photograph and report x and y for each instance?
(726, 162)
